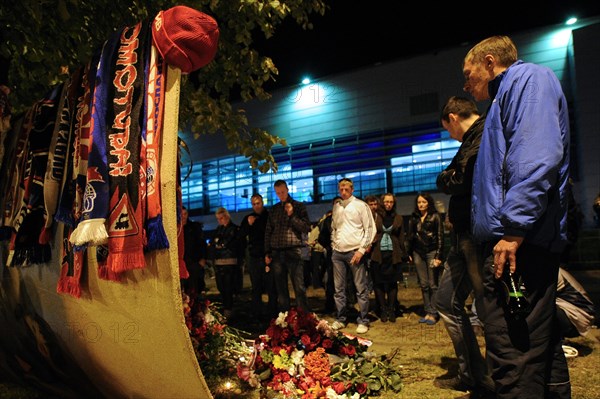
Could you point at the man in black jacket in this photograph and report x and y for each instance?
(253, 229)
(462, 119)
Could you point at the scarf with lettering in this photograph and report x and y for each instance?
(156, 235)
(73, 258)
(125, 220)
(58, 166)
(91, 229)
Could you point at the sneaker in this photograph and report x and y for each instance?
(362, 328)
(337, 325)
(570, 351)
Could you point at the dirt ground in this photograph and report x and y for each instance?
(425, 352)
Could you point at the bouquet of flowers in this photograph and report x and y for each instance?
(218, 347)
(301, 356)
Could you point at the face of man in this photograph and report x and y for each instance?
(257, 205)
(373, 205)
(346, 189)
(453, 127)
(282, 193)
(477, 77)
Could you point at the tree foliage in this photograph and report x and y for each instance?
(45, 39)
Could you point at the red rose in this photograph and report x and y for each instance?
(305, 339)
(361, 388)
(327, 343)
(350, 350)
(339, 387)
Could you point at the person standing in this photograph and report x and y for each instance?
(253, 228)
(325, 241)
(287, 224)
(425, 244)
(226, 259)
(353, 230)
(519, 215)
(461, 276)
(386, 257)
(195, 253)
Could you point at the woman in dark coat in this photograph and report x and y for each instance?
(387, 255)
(225, 243)
(424, 244)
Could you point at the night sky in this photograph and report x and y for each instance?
(357, 34)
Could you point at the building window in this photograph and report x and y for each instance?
(408, 160)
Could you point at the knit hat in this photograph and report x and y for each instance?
(186, 38)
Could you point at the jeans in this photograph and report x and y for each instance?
(428, 280)
(461, 276)
(283, 260)
(340, 261)
(262, 282)
(526, 356)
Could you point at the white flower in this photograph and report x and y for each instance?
(297, 356)
(281, 320)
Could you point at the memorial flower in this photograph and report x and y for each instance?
(302, 357)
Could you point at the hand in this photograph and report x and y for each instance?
(251, 220)
(289, 208)
(356, 258)
(505, 251)
(437, 263)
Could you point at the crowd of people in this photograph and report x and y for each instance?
(506, 221)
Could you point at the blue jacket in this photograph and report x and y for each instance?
(521, 172)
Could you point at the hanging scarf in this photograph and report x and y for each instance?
(58, 157)
(157, 237)
(125, 222)
(183, 271)
(91, 229)
(25, 246)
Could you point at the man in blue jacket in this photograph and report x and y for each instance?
(519, 215)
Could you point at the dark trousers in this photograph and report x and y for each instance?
(461, 276)
(225, 278)
(262, 282)
(525, 354)
(284, 261)
(195, 282)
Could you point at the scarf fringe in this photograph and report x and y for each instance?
(157, 237)
(69, 285)
(90, 231)
(123, 261)
(32, 255)
(104, 273)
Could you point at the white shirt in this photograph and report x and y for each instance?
(352, 226)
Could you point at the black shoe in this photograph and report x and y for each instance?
(392, 317)
(383, 317)
(454, 383)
